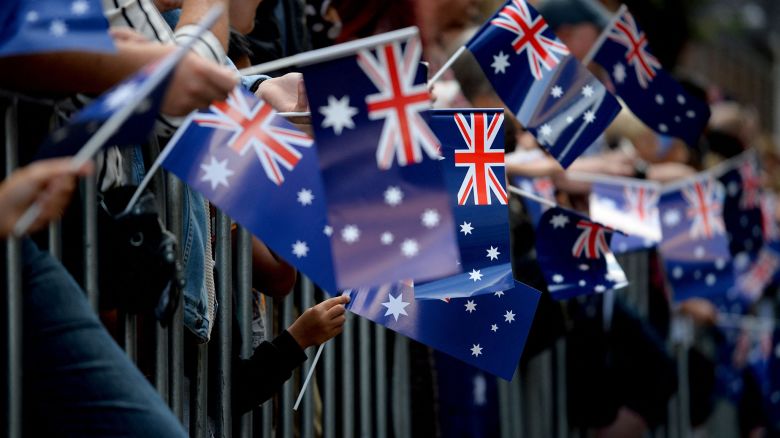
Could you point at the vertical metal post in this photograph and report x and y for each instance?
(380, 378)
(13, 299)
(244, 305)
(329, 391)
(131, 336)
(55, 227)
(268, 406)
(174, 211)
(364, 351)
(561, 410)
(89, 185)
(224, 327)
(504, 409)
(347, 379)
(287, 389)
(307, 412)
(199, 421)
(402, 403)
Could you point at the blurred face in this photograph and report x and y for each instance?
(456, 13)
(579, 38)
(242, 15)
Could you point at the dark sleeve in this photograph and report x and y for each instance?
(258, 378)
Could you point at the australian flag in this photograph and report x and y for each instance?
(486, 331)
(387, 200)
(472, 146)
(574, 255)
(559, 101)
(40, 26)
(695, 247)
(653, 96)
(631, 206)
(136, 129)
(262, 172)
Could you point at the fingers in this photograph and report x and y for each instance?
(331, 302)
(335, 312)
(197, 83)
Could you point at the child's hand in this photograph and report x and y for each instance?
(320, 323)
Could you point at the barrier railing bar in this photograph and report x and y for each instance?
(199, 392)
(561, 412)
(347, 379)
(224, 328)
(329, 390)
(364, 353)
(267, 408)
(402, 415)
(131, 336)
(174, 197)
(287, 399)
(516, 404)
(307, 413)
(55, 227)
(380, 368)
(244, 305)
(89, 220)
(13, 318)
(504, 411)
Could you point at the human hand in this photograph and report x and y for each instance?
(167, 5)
(125, 34)
(48, 182)
(285, 93)
(320, 323)
(197, 83)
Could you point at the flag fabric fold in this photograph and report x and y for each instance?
(640, 80)
(695, 247)
(631, 206)
(472, 148)
(574, 255)
(555, 98)
(42, 26)
(387, 201)
(487, 331)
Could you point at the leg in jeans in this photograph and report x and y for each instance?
(77, 381)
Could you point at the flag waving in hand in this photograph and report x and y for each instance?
(559, 101)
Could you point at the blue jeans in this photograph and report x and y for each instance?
(77, 381)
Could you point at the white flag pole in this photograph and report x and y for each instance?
(104, 133)
(333, 52)
(308, 377)
(604, 35)
(447, 65)
(531, 196)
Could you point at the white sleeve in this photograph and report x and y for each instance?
(207, 45)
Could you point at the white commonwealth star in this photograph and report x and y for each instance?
(120, 95)
(305, 197)
(79, 7)
(509, 316)
(217, 173)
(410, 248)
(659, 99)
(500, 63)
(559, 221)
(350, 234)
(471, 306)
(587, 91)
(556, 91)
(466, 228)
(619, 73)
(386, 238)
(393, 196)
(430, 218)
(499, 293)
(475, 275)
(328, 230)
(58, 28)
(494, 328)
(589, 116)
(476, 350)
(338, 114)
(492, 253)
(545, 130)
(300, 249)
(396, 306)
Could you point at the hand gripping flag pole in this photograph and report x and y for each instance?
(104, 133)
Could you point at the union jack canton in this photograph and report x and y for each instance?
(564, 106)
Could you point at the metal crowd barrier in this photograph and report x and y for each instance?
(362, 387)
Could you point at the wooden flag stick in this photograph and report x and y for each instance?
(308, 377)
